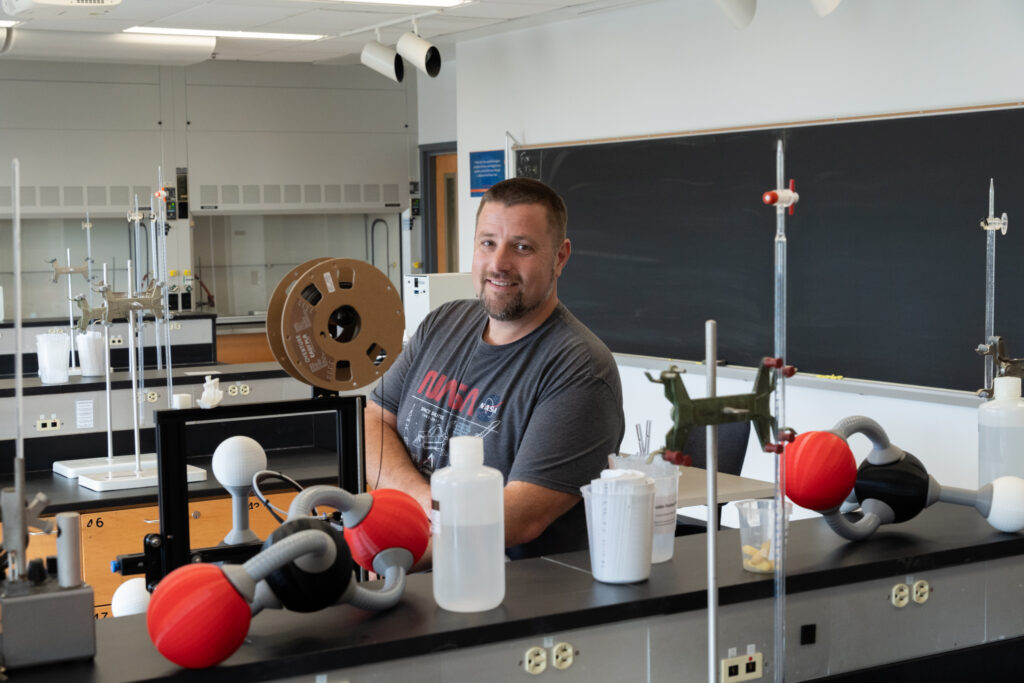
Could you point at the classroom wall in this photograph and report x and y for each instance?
(435, 103)
(667, 67)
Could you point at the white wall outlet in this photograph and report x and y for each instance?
(48, 424)
(152, 397)
(117, 340)
(562, 656)
(899, 595)
(244, 389)
(746, 667)
(920, 591)
(535, 661)
(232, 390)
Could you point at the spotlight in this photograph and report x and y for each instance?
(422, 54)
(740, 12)
(824, 7)
(384, 60)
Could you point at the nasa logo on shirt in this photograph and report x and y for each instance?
(489, 408)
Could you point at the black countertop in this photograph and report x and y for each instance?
(121, 379)
(546, 595)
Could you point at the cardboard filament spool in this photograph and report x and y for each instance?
(335, 323)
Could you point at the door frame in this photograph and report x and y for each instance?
(427, 181)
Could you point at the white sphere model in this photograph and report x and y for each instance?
(236, 459)
(1007, 513)
(131, 597)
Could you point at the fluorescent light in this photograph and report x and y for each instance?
(154, 30)
(7, 24)
(417, 3)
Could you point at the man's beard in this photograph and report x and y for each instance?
(515, 307)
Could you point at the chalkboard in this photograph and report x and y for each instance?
(886, 257)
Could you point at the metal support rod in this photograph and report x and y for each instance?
(134, 374)
(107, 371)
(71, 314)
(14, 516)
(711, 470)
(779, 657)
(990, 287)
(87, 226)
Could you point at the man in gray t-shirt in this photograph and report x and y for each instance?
(515, 367)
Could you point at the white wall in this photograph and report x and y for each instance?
(435, 102)
(668, 67)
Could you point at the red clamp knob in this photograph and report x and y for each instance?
(770, 362)
(770, 197)
(773, 448)
(787, 435)
(788, 370)
(677, 458)
(792, 188)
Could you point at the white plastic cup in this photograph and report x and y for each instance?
(757, 534)
(91, 353)
(181, 401)
(53, 352)
(620, 525)
(666, 496)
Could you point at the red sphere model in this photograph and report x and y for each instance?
(196, 618)
(820, 470)
(396, 520)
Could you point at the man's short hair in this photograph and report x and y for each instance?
(516, 191)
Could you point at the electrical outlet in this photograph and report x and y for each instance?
(562, 656)
(152, 397)
(535, 661)
(233, 390)
(51, 424)
(175, 326)
(920, 591)
(117, 340)
(899, 595)
(746, 667)
(244, 389)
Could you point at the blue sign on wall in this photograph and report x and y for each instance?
(485, 169)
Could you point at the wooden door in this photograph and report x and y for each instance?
(446, 212)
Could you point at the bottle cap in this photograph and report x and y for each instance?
(466, 451)
(1006, 388)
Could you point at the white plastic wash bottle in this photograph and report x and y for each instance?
(1001, 432)
(468, 528)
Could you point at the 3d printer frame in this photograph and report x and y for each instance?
(170, 548)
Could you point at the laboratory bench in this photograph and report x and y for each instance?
(193, 340)
(840, 620)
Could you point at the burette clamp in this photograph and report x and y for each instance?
(782, 198)
(995, 223)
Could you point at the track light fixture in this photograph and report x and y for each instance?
(741, 12)
(421, 53)
(383, 59)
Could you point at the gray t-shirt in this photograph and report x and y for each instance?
(548, 406)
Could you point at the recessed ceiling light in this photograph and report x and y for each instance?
(4, 23)
(155, 30)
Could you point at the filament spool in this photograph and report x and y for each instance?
(275, 308)
(340, 323)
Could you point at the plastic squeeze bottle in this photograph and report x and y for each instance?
(1001, 432)
(467, 524)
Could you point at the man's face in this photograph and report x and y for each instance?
(515, 262)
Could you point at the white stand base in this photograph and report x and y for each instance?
(120, 480)
(73, 468)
